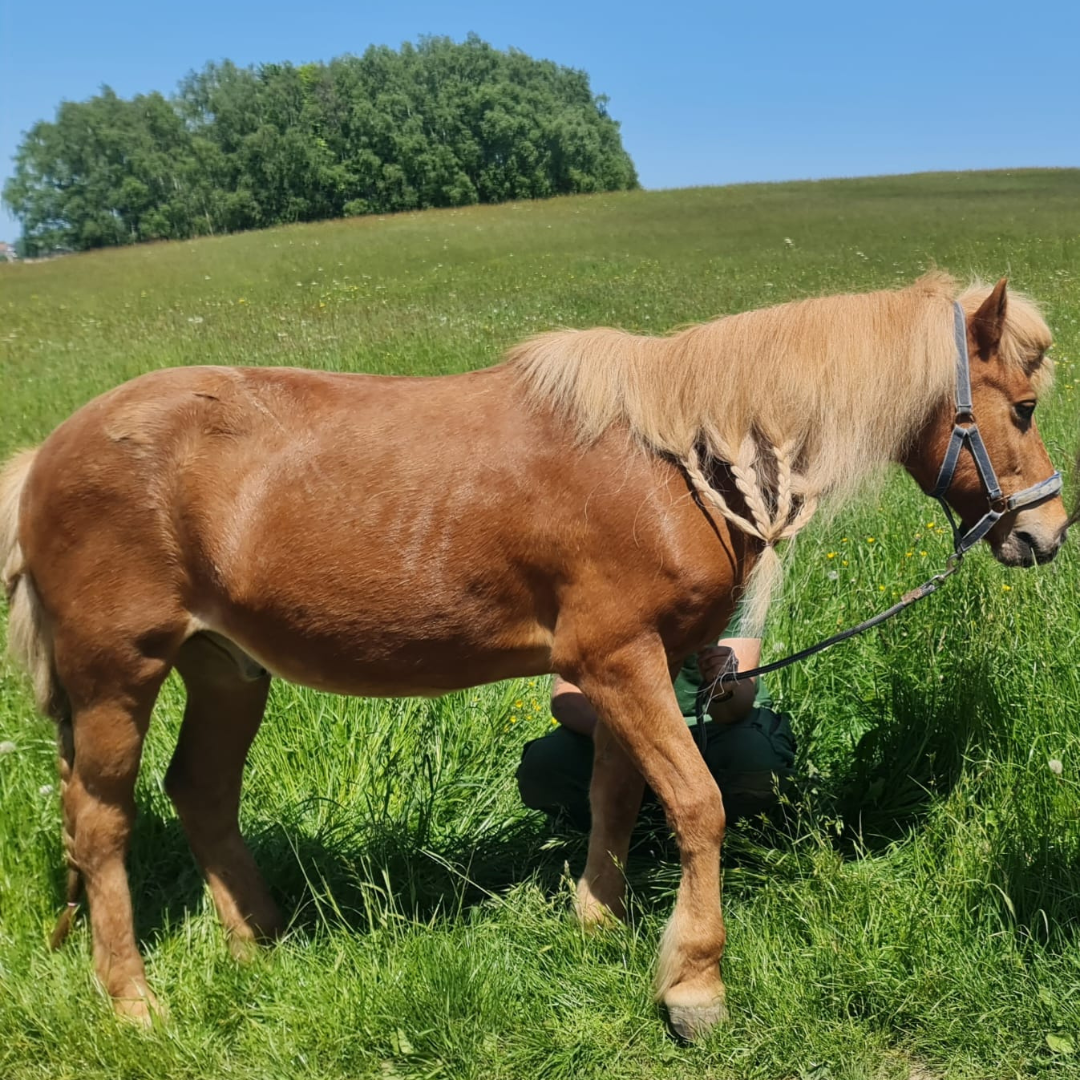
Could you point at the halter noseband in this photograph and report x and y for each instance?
(966, 431)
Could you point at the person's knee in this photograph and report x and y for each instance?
(752, 762)
(531, 777)
(554, 775)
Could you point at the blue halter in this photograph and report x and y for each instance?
(966, 431)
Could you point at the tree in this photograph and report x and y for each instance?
(433, 124)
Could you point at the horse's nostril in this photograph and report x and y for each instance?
(1039, 552)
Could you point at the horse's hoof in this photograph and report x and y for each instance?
(690, 1022)
(244, 950)
(141, 1009)
(593, 914)
(594, 910)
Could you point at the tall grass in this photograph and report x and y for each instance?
(912, 912)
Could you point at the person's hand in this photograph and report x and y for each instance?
(714, 661)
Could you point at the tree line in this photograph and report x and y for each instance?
(438, 123)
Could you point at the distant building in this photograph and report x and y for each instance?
(7, 252)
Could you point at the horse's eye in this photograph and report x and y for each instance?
(1024, 411)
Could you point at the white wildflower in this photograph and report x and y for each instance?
(1055, 766)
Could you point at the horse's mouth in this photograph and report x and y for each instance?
(1025, 549)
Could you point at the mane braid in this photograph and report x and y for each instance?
(802, 402)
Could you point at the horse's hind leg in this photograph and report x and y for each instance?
(224, 710)
(99, 812)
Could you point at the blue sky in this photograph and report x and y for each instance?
(707, 93)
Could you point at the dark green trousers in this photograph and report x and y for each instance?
(750, 762)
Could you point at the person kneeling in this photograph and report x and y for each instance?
(749, 749)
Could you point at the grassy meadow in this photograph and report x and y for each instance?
(914, 912)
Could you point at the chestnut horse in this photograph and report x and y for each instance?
(589, 507)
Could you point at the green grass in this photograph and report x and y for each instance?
(916, 911)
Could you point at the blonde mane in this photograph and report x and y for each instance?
(803, 401)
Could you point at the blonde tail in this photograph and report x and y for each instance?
(29, 640)
(30, 644)
(12, 480)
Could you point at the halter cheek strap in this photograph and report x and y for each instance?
(965, 432)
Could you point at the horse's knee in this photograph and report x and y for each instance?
(698, 816)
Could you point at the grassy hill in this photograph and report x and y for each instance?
(914, 914)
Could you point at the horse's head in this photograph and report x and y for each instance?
(1006, 350)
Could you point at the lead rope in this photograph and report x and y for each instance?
(709, 692)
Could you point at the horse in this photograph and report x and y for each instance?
(592, 506)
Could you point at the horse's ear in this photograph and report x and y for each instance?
(988, 323)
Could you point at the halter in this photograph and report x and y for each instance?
(965, 432)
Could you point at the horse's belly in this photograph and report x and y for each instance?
(378, 665)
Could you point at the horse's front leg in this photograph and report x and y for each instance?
(614, 801)
(631, 690)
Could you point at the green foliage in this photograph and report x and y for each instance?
(915, 917)
(435, 124)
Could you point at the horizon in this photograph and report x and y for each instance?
(794, 95)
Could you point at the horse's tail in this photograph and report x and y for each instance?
(12, 481)
(30, 644)
(29, 640)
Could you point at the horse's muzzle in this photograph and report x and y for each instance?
(1022, 548)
